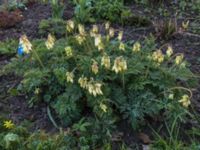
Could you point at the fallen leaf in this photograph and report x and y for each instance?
(145, 138)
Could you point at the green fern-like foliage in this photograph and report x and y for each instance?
(72, 77)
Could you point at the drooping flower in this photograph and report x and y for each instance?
(185, 25)
(95, 29)
(171, 96)
(98, 42)
(70, 77)
(94, 67)
(107, 25)
(83, 81)
(94, 88)
(25, 45)
(50, 41)
(179, 59)
(169, 51)
(70, 25)
(122, 46)
(103, 107)
(80, 39)
(68, 51)
(8, 124)
(120, 35)
(105, 61)
(158, 56)
(37, 91)
(120, 65)
(111, 32)
(185, 101)
(81, 29)
(137, 47)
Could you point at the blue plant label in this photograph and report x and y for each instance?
(20, 49)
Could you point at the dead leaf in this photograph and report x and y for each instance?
(145, 138)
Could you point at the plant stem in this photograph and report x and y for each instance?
(38, 58)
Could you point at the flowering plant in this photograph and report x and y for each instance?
(88, 73)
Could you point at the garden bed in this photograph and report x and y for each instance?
(16, 107)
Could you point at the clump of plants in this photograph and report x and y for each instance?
(102, 79)
(90, 11)
(55, 24)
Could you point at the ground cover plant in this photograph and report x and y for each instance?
(100, 75)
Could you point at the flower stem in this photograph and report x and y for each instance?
(38, 58)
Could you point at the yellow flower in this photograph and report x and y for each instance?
(80, 39)
(83, 81)
(179, 59)
(185, 101)
(107, 25)
(81, 29)
(70, 25)
(98, 88)
(103, 107)
(171, 96)
(68, 51)
(158, 56)
(105, 61)
(111, 32)
(94, 88)
(50, 41)
(37, 91)
(136, 47)
(70, 77)
(169, 51)
(8, 124)
(26, 44)
(98, 42)
(95, 68)
(95, 29)
(185, 25)
(120, 35)
(120, 65)
(122, 46)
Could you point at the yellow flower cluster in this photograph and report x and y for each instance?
(80, 39)
(83, 81)
(94, 31)
(103, 107)
(122, 46)
(68, 51)
(158, 56)
(107, 25)
(8, 124)
(50, 41)
(81, 30)
(120, 65)
(26, 44)
(169, 51)
(179, 59)
(136, 47)
(105, 61)
(111, 32)
(70, 77)
(120, 35)
(94, 88)
(185, 101)
(70, 25)
(95, 68)
(98, 42)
